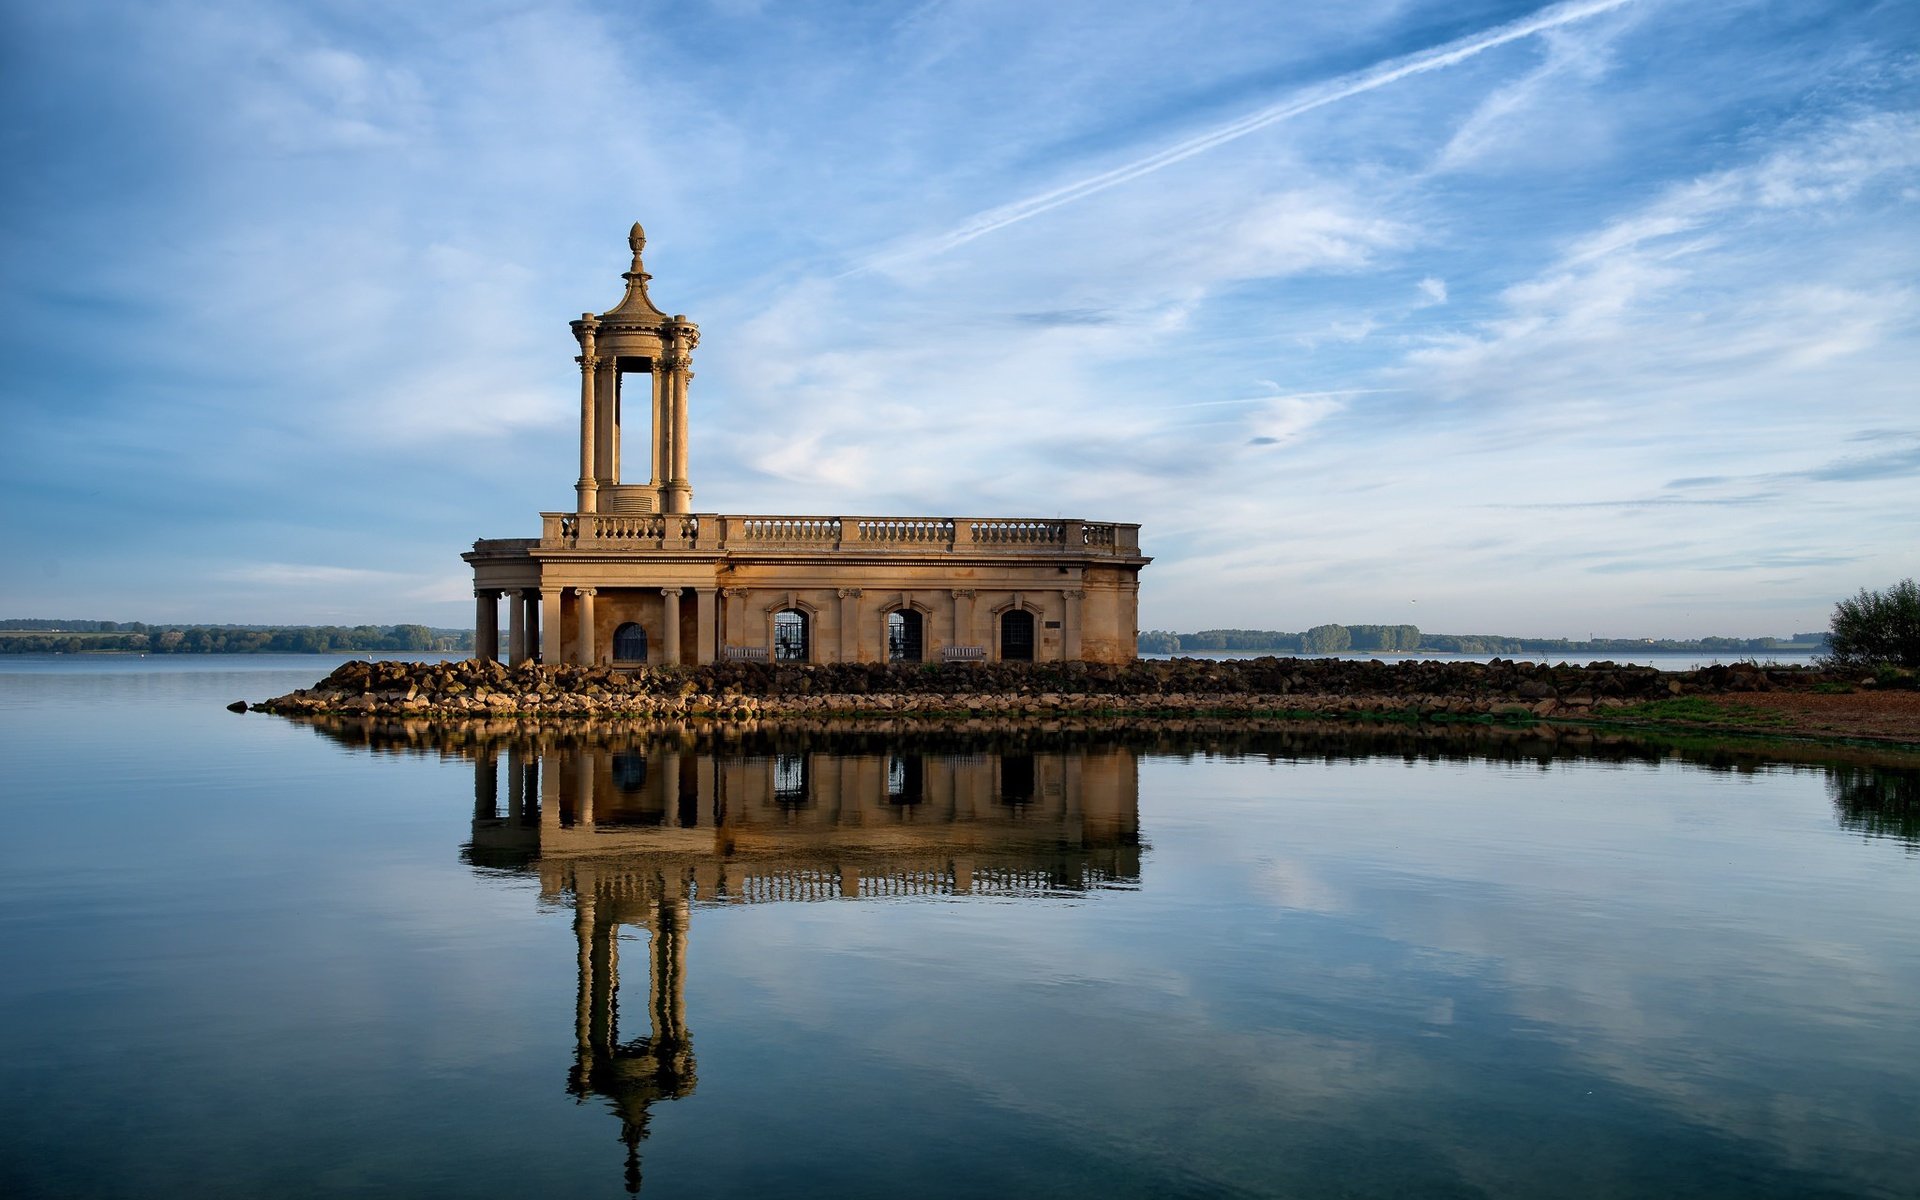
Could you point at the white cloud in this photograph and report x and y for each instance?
(1635, 283)
(303, 575)
(1539, 120)
(1357, 83)
(1296, 232)
(1284, 420)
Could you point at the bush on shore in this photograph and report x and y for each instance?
(1878, 629)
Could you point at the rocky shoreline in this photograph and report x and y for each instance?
(472, 688)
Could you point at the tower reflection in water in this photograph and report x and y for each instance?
(642, 833)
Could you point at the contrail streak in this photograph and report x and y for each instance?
(1319, 96)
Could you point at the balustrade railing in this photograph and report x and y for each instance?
(689, 531)
(816, 883)
(917, 530)
(785, 529)
(603, 528)
(1020, 533)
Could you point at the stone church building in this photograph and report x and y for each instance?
(633, 575)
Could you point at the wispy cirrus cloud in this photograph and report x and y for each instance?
(1307, 100)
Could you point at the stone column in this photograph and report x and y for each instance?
(849, 625)
(681, 484)
(547, 780)
(670, 634)
(686, 336)
(550, 626)
(962, 617)
(703, 625)
(515, 790)
(670, 414)
(1071, 789)
(662, 430)
(735, 615)
(486, 787)
(583, 794)
(516, 628)
(667, 764)
(531, 774)
(516, 786)
(583, 924)
(583, 608)
(606, 447)
(1070, 625)
(586, 486)
(486, 624)
(667, 982)
(705, 783)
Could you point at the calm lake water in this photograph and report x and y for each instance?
(251, 957)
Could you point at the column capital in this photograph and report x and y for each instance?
(586, 591)
(486, 593)
(674, 592)
(1074, 593)
(963, 593)
(849, 593)
(733, 593)
(589, 363)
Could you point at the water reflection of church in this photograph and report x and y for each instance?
(639, 835)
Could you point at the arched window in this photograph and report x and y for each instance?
(1016, 636)
(790, 636)
(906, 779)
(629, 643)
(1016, 779)
(630, 771)
(792, 780)
(904, 640)
(629, 805)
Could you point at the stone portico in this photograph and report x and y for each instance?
(634, 576)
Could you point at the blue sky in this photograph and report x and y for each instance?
(1600, 317)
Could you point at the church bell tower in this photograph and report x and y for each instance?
(634, 338)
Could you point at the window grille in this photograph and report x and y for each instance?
(905, 639)
(791, 636)
(630, 643)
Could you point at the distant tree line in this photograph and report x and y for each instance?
(28, 636)
(1332, 639)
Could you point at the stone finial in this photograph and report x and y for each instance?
(635, 305)
(637, 238)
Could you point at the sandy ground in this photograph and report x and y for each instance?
(1880, 716)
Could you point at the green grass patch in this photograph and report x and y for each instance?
(1702, 710)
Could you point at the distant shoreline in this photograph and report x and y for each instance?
(1411, 639)
(24, 635)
